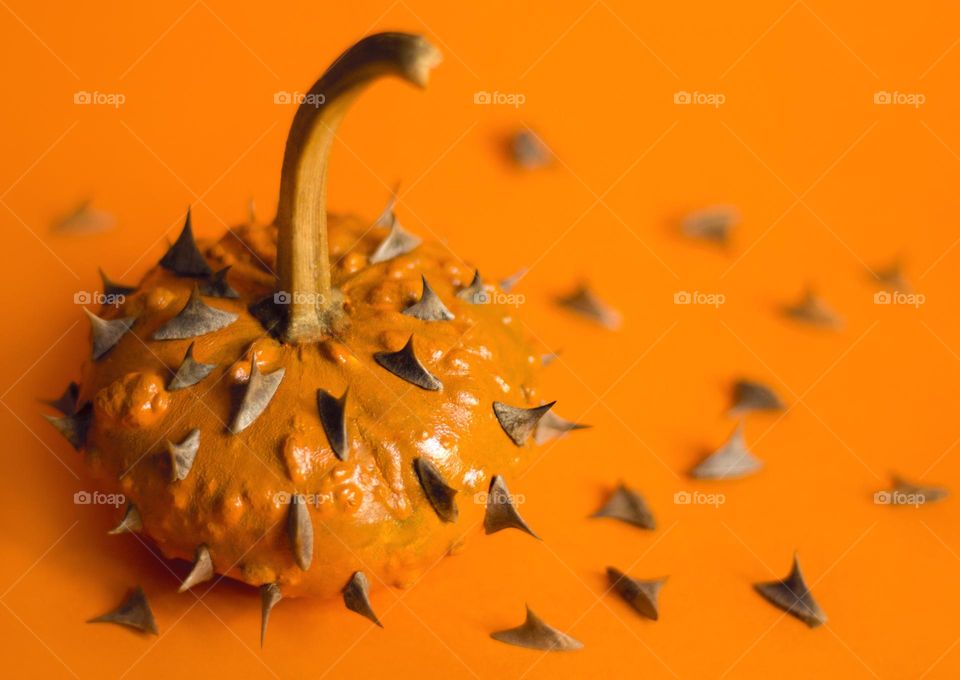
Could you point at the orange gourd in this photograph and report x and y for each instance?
(313, 404)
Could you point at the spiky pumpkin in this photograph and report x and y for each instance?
(296, 430)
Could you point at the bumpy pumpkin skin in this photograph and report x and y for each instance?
(369, 512)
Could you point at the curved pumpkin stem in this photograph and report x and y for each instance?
(303, 263)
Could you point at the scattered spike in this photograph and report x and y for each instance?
(730, 461)
(183, 454)
(269, 596)
(404, 364)
(300, 531)
(549, 358)
(134, 612)
(501, 512)
(892, 277)
(519, 423)
(106, 332)
(644, 596)
(792, 595)
(84, 220)
(528, 150)
(507, 284)
(66, 403)
(711, 224)
(584, 302)
(814, 311)
(218, 286)
(430, 307)
(112, 288)
(552, 426)
(184, 258)
(908, 493)
(190, 372)
(196, 318)
(202, 570)
(74, 427)
(356, 596)
(754, 396)
(398, 241)
(628, 506)
(332, 416)
(440, 495)
(131, 522)
(535, 634)
(475, 292)
(260, 390)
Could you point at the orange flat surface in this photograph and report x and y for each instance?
(830, 186)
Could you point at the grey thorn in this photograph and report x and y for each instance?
(201, 572)
(183, 454)
(501, 513)
(333, 419)
(405, 365)
(134, 612)
(269, 596)
(398, 240)
(218, 286)
(106, 332)
(642, 595)
(534, 633)
(131, 522)
(749, 395)
(300, 531)
(190, 372)
(585, 303)
(793, 596)
(552, 426)
(474, 292)
(731, 461)
(429, 307)
(260, 390)
(440, 495)
(184, 258)
(112, 287)
(74, 427)
(519, 423)
(628, 506)
(196, 318)
(356, 597)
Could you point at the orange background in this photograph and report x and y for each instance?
(830, 185)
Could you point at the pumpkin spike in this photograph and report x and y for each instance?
(812, 310)
(474, 292)
(712, 224)
(534, 633)
(332, 417)
(183, 454)
(201, 572)
(218, 286)
(190, 372)
(519, 423)
(356, 597)
(398, 240)
(552, 426)
(184, 258)
(892, 277)
(74, 427)
(913, 494)
(549, 358)
(628, 506)
(260, 390)
(529, 151)
(303, 260)
(196, 318)
(66, 403)
(112, 288)
(643, 596)
(584, 302)
(507, 284)
(131, 522)
(134, 612)
(730, 461)
(792, 595)
(84, 219)
(405, 365)
(300, 531)
(438, 493)
(749, 395)
(501, 512)
(106, 332)
(269, 596)
(429, 307)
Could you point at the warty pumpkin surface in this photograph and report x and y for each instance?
(345, 415)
